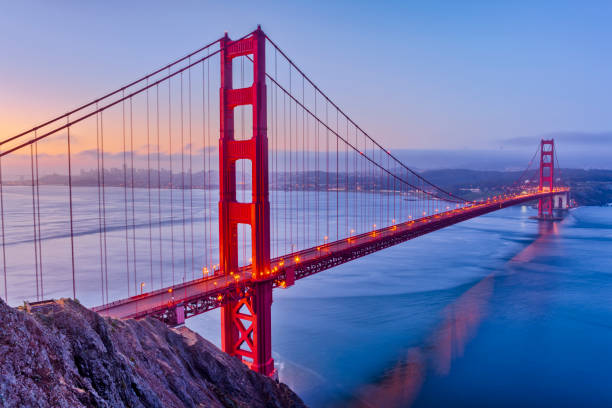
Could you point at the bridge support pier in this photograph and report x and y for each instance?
(561, 201)
(246, 322)
(176, 315)
(246, 326)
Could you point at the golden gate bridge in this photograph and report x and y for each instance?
(182, 200)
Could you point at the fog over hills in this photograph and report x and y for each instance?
(501, 159)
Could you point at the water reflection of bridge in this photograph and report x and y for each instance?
(401, 384)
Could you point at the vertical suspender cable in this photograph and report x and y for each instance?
(171, 175)
(277, 145)
(132, 191)
(305, 195)
(71, 212)
(356, 177)
(346, 190)
(285, 169)
(389, 192)
(40, 266)
(327, 166)
(104, 205)
(337, 180)
(272, 175)
(34, 241)
(209, 150)
(125, 210)
(317, 185)
(204, 168)
(159, 210)
(191, 177)
(183, 183)
(3, 236)
(290, 167)
(99, 206)
(149, 190)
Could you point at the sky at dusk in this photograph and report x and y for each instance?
(415, 75)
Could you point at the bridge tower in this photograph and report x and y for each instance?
(547, 177)
(245, 323)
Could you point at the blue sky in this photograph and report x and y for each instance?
(420, 75)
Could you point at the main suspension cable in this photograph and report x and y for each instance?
(361, 130)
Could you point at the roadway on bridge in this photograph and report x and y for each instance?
(283, 269)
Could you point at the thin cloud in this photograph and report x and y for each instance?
(567, 137)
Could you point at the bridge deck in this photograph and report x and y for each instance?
(200, 295)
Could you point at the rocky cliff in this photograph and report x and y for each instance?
(61, 354)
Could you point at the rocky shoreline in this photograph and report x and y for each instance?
(60, 354)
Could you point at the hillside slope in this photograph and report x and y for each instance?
(64, 355)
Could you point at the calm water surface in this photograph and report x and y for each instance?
(497, 311)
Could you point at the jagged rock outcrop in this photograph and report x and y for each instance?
(63, 355)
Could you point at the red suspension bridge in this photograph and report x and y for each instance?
(150, 201)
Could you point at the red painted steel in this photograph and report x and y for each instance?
(547, 177)
(245, 320)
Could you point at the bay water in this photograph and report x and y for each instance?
(502, 310)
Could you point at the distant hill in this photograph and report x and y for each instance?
(589, 187)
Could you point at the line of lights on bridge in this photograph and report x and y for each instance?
(297, 256)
